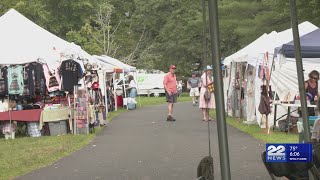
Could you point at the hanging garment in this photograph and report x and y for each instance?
(29, 79)
(267, 73)
(39, 79)
(260, 71)
(71, 72)
(3, 81)
(15, 80)
(264, 106)
(52, 79)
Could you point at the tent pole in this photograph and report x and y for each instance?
(124, 90)
(105, 93)
(114, 93)
(138, 88)
(297, 52)
(9, 113)
(220, 110)
(234, 90)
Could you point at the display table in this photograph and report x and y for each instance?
(288, 113)
(23, 115)
(53, 115)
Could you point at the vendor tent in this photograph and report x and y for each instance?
(243, 54)
(116, 63)
(310, 46)
(255, 54)
(23, 41)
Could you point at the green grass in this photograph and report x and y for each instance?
(256, 132)
(25, 154)
(147, 101)
(113, 114)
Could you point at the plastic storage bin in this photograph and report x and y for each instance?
(33, 129)
(58, 128)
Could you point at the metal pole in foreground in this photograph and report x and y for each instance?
(204, 27)
(220, 111)
(297, 52)
(204, 62)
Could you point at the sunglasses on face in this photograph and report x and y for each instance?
(315, 78)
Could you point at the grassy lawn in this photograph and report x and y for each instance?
(147, 101)
(256, 131)
(25, 154)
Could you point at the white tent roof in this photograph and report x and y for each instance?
(23, 41)
(267, 43)
(116, 63)
(241, 55)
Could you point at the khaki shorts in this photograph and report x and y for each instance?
(194, 92)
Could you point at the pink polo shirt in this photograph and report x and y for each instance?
(170, 81)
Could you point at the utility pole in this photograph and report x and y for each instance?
(219, 98)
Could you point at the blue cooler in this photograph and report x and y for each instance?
(131, 106)
(312, 119)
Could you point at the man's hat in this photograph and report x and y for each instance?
(173, 67)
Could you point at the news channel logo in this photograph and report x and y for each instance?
(288, 152)
(276, 153)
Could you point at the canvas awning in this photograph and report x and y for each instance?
(116, 63)
(310, 46)
(23, 41)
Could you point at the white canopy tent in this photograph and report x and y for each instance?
(23, 41)
(254, 55)
(116, 63)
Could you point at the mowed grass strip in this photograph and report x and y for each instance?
(25, 154)
(254, 130)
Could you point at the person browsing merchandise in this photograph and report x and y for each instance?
(170, 86)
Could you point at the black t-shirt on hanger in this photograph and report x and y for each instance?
(39, 79)
(4, 80)
(71, 73)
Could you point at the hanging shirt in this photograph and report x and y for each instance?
(29, 79)
(15, 80)
(52, 79)
(4, 81)
(39, 79)
(71, 72)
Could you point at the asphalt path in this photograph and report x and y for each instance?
(142, 145)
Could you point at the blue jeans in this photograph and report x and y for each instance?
(133, 93)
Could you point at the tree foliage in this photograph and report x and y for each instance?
(156, 33)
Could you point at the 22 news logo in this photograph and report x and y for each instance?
(276, 153)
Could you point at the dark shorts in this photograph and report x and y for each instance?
(172, 98)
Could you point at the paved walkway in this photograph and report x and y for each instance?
(141, 145)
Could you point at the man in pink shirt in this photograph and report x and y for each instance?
(170, 86)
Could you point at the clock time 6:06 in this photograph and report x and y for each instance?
(294, 153)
